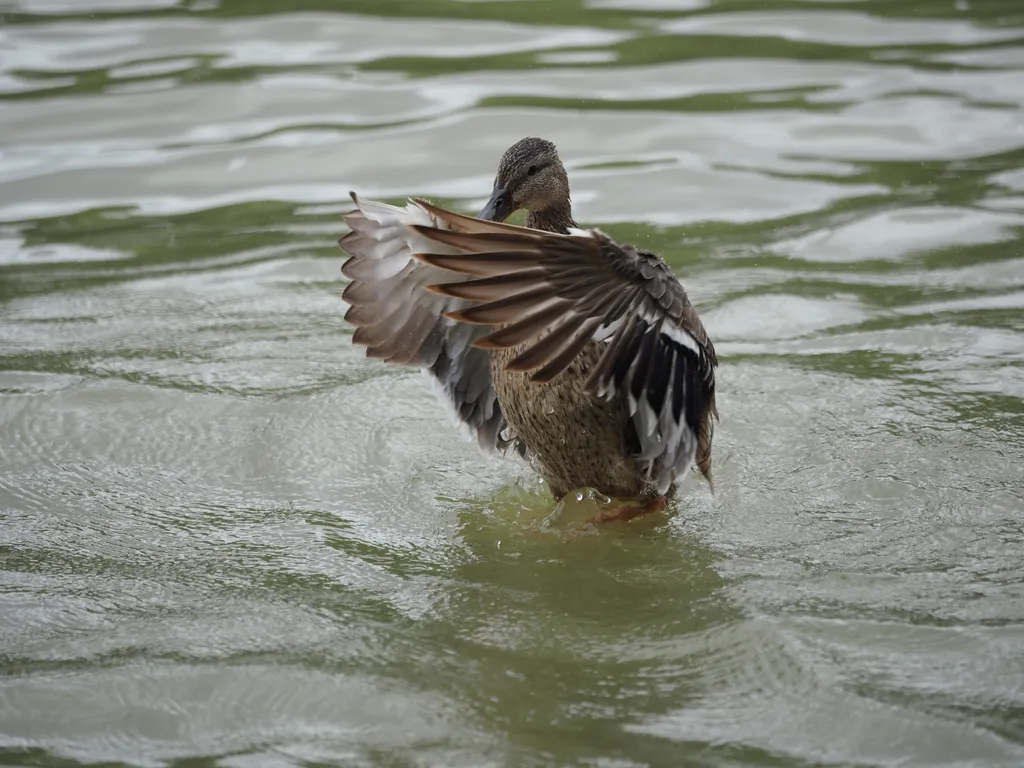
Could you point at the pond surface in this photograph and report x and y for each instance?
(227, 538)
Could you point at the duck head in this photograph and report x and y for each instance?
(530, 176)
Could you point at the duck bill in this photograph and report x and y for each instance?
(499, 207)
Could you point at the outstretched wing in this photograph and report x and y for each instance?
(558, 293)
(398, 321)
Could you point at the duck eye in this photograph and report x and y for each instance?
(531, 170)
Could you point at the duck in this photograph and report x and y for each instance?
(581, 354)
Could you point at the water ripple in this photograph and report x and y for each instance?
(227, 536)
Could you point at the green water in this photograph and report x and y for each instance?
(227, 538)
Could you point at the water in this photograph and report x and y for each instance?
(228, 538)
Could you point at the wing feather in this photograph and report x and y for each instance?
(401, 322)
(558, 293)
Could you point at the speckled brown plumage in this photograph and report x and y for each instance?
(574, 439)
(584, 353)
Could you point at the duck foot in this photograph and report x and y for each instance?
(629, 513)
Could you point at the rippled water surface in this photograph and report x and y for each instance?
(227, 538)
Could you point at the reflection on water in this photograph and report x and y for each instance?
(227, 536)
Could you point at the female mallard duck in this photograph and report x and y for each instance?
(580, 352)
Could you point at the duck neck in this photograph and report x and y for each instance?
(557, 218)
